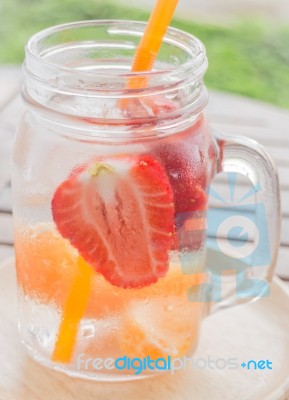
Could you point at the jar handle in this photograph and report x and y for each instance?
(252, 270)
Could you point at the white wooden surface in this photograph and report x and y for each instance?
(253, 331)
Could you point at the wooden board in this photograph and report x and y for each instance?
(254, 331)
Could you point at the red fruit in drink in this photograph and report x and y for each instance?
(187, 172)
(119, 215)
(187, 177)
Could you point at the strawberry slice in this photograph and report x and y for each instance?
(119, 215)
(187, 180)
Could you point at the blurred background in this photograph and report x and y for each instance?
(247, 41)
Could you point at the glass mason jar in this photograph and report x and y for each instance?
(111, 171)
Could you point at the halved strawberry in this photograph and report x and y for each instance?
(187, 177)
(119, 214)
(187, 173)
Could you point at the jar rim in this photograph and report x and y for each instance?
(187, 42)
(82, 69)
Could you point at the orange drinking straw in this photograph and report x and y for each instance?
(152, 39)
(75, 306)
(73, 311)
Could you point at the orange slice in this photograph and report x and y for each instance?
(46, 264)
(47, 267)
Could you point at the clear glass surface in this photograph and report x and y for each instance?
(81, 191)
